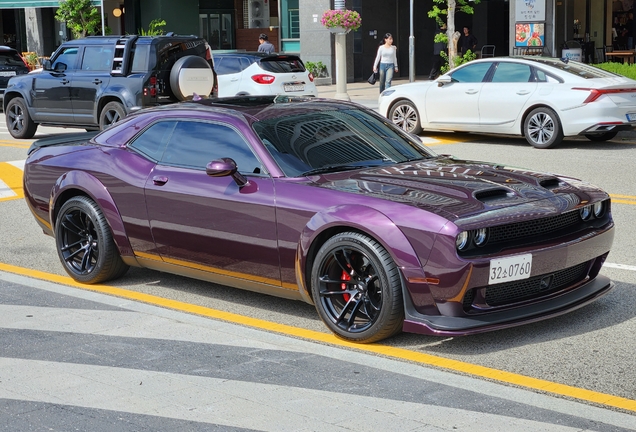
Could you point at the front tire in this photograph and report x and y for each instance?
(405, 115)
(542, 128)
(357, 288)
(85, 244)
(19, 121)
(111, 114)
(602, 137)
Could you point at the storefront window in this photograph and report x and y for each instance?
(290, 26)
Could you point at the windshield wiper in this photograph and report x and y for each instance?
(346, 167)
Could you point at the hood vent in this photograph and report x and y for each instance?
(489, 195)
(550, 183)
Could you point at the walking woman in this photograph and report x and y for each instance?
(387, 60)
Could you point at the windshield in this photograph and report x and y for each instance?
(579, 69)
(324, 141)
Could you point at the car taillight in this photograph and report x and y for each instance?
(597, 93)
(263, 78)
(152, 87)
(311, 77)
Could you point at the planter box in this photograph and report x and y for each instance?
(323, 81)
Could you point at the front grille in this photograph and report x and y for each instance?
(528, 289)
(533, 228)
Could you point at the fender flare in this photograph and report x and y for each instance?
(93, 188)
(376, 224)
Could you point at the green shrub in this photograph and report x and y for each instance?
(624, 69)
(318, 70)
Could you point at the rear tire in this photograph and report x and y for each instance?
(18, 120)
(602, 137)
(85, 243)
(542, 128)
(111, 114)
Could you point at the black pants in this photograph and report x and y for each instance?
(437, 64)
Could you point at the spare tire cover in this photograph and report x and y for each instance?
(189, 75)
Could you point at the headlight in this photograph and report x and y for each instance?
(598, 209)
(585, 212)
(481, 236)
(462, 240)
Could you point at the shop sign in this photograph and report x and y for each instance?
(530, 10)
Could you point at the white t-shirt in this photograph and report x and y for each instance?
(386, 55)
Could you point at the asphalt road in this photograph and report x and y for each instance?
(592, 348)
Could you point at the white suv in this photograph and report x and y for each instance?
(253, 73)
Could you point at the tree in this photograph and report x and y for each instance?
(80, 16)
(451, 6)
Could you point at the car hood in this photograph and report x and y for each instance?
(454, 188)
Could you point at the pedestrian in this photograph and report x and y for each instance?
(265, 45)
(438, 48)
(467, 41)
(386, 59)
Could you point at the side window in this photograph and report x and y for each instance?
(66, 60)
(152, 142)
(228, 65)
(97, 58)
(543, 77)
(195, 144)
(471, 73)
(512, 73)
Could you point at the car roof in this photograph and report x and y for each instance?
(256, 108)
(97, 40)
(5, 49)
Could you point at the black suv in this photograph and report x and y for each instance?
(93, 82)
(11, 64)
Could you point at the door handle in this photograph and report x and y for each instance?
(65, 81)
(471, 91)
(523, 92)
(160, 180)
(97, 81)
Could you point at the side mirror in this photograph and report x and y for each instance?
(444, 79)
(60, 67)
(46, 65)
(226, 167)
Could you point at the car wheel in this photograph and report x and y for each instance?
(19, 121)
(85, 244)
(357, 288)
(111, 114)
(405, 115)
(542, 128)
(602, 137)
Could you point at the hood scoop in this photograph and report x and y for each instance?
(550, 183)
(490, 195)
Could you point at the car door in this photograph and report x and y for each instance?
(455, 105)
(504, 96)
(88, 82)
(229, 73)
(52, 88)
(210, 223)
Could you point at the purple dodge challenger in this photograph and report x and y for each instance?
(326, 202)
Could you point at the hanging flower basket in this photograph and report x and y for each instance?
(341, 21)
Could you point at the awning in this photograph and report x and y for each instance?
(21, 4)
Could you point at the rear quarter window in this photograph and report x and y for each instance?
(10, 59)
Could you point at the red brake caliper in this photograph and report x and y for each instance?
(345, 277)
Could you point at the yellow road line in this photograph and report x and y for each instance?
(17, 145)
(12, 177)
(392, 352)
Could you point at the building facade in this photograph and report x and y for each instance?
(293, 26)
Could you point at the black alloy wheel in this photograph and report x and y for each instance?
(85, 244)
(357, 288)
(19, 121)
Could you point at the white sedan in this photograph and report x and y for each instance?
(543, 99)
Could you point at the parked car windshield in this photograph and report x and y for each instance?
(10, 59)
(323, 141)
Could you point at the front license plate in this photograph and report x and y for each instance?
(7, 73)
(509, 269)
(294, 87)
(631, 117)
